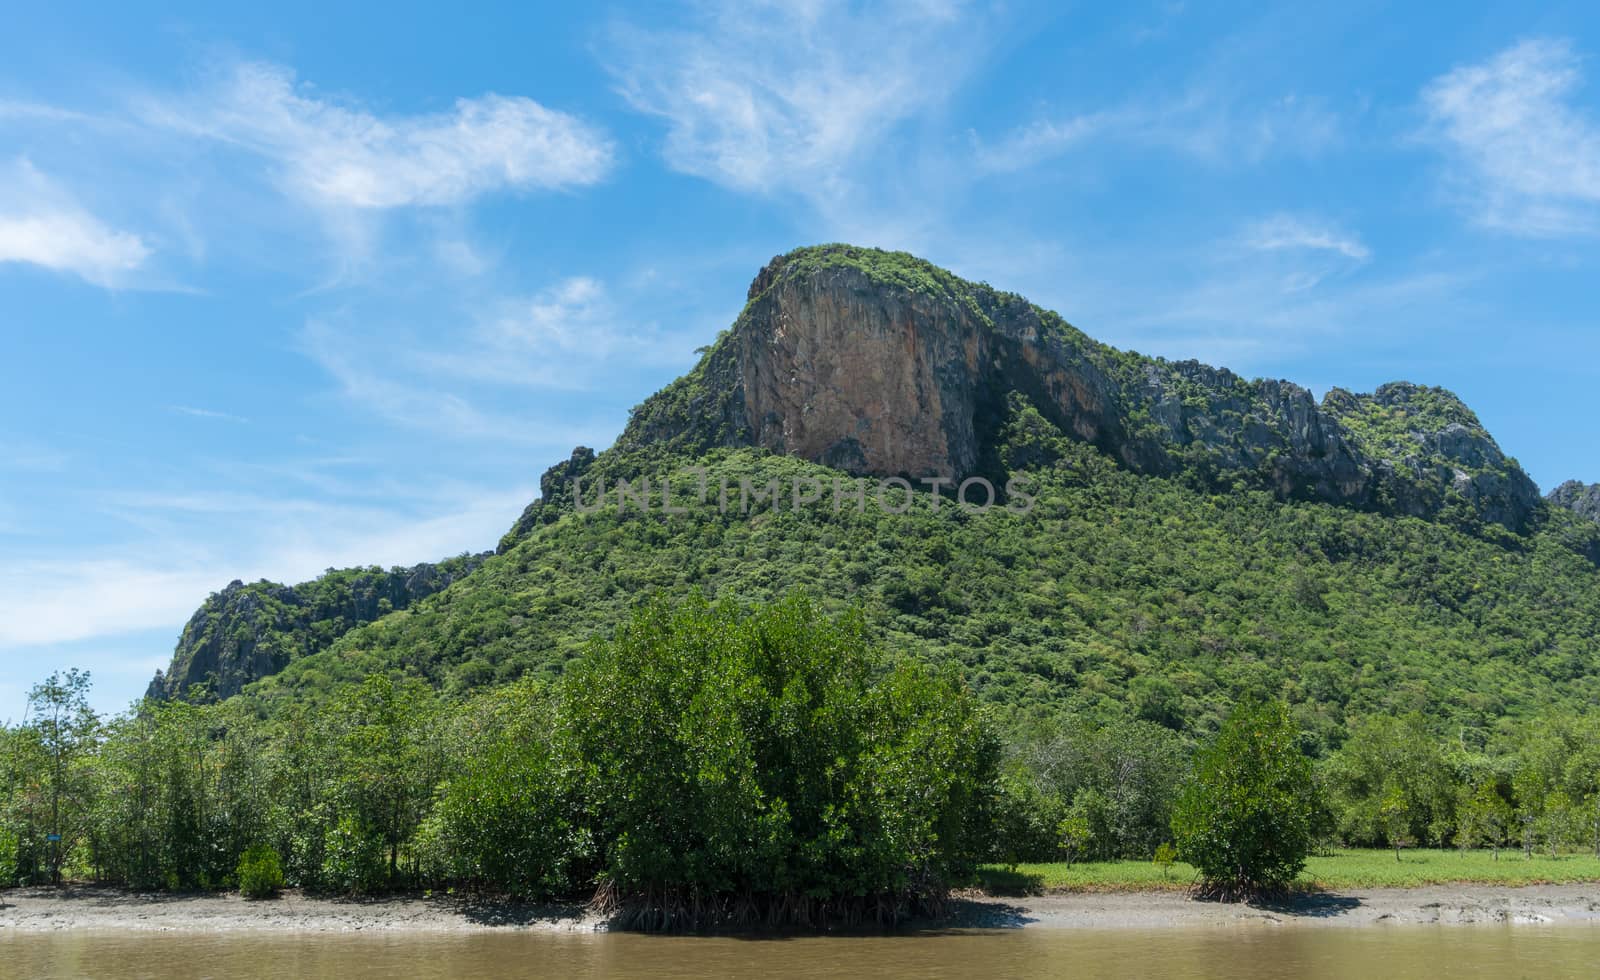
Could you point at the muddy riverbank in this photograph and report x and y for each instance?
(50, 910)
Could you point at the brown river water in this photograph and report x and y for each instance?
(1567, 950)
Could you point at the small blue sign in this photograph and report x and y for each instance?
(52, 837)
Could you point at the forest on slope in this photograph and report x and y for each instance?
(1115, 595)
(1154, 578)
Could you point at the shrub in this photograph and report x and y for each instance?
(354, 860)
(1026, 822)
(9, 865)
(1076, 832)
(507, 818)
(760, 766)
(260, 872)
(1245, 820)
(1125, 775)
(1164, 858)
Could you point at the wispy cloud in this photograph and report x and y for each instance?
(569, 337)
(1289, 232)
(42, 224)
(61, 601)
(367, 188)
(16, 109)
(32, 458)
(766, 96)
(340, 154)
(554, 339)
(1525, 158)
(363, 380)
(206, 413)
(1250, 310)
(1252, 296)
(158, 585)
(1202, 124)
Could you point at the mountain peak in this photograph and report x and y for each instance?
(1581, 498)
(880, 363)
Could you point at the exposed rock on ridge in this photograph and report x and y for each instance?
(246, 632)
(880, 364)
(1580, 498)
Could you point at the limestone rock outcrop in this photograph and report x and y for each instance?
(878, 363)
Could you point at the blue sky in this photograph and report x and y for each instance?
(304, 286)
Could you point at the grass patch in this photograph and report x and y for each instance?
(1342, 869)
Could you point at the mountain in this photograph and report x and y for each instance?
(878, 363)
(246, 632)
(1190, 535)
(1580, 498)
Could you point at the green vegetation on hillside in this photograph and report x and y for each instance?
(1396, 419)
(1122, 595)
(249, 630)
(1117, 596)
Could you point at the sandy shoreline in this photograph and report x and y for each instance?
(38, 910)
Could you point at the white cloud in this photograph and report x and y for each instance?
(1251, 310)
(1286, 232)
(769, 96)
(561, 338)
(1202, 124)
(32, 458)
(61, 601)
(57, 601)
(1527, 158)
(345, 156)
(207, 413)
(1040, 140)
(41, 224)
(567, 337)
(364, 379)
(575, 316)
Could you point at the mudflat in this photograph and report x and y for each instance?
(34, 910)
(1462, 904)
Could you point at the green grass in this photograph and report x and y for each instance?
(1339, 870)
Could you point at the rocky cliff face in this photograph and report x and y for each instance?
(880, 364)
(1580, 498)
(246, 632)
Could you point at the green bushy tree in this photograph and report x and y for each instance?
(1245, 818)
(382, 737)
(63, 729)
(1124, 776)
(763, 754)
(353, 858)
(1485, 817)
(1392, 782)
(1027, 820)
(507, 817)
(8, 857)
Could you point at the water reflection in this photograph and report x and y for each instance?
(1246, 952)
